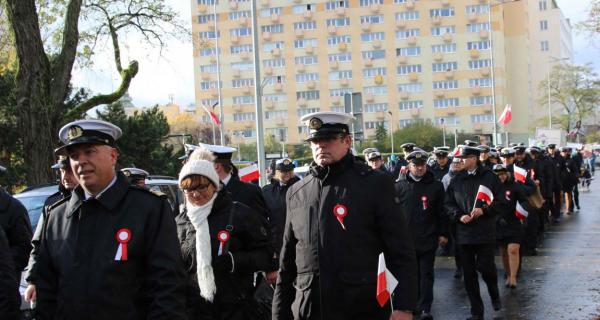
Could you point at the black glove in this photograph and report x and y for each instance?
(223, 263)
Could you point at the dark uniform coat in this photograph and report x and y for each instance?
(543, 171)
(14, 220)
(509, 228)
(249, 245)
(460, 200)
(328, 272)
(559, 164)
(79, 275)
(438, 171)
(423, 204)
(569, 174)
(274, 194)
(9, 286)
(248, 194)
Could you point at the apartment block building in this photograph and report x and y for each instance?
(426, 60)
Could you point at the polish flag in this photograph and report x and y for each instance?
(520, 174)
(484, 194)
(386, 282)
(506, 115)
(520, 212)
(249, 173)
(456, 152)
(213, 116)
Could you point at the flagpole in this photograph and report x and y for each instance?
(217, 53)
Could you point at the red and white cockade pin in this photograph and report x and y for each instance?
(123, 236)
(340, 211)
(507, 195)
(424, 200)
(223, 237)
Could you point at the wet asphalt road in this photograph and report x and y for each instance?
(562, 282)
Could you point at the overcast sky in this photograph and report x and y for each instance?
(171, 73)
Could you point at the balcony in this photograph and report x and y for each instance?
(205, 75)
(247, 89)
(365, 27)
(245, 55)
(375, 8)
(308, 15)
(342, 46)
(409, 5)
(369, 97)
(478, 127)
(236, 107)
(266, 36)
(236, 73)
(270, 105)
(233, 5)
(484, 34)
(334, 65)
(264, 3)
(268, 70)
(451, 111)
(476, 91)
(439, 93)
(411, 41)
(378, 79)
(235, 39)
(380, 115)
(278, 87)
(487, 108)
(311, 84)
(310, 50)
(344, 82)
(301, 68)
(299, 33)
(302, 102)
(415, 113)
(243, 22)
(249, 124)
(377, 44)
(214, 92)
(202, 8)
(340, 11)
(485, 72)
(336, 100)
(275, 18)
(400, 24)
(413, 76)
(474, 53)
(449, 74)
(472, 17)
(438, 56)
(276, 52)
(332, 30)
(368, 62)
(436, 20)
(447, 37)
(404, 95)
(402, 59)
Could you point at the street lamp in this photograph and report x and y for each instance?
(391, 129)
(550, 60)
(491, 5)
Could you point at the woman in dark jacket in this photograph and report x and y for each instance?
(569, 177)
(509, 230)
(223, 243)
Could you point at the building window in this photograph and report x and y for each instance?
(544, 25)
(407, 15)
(375, 90)
(340, 57)
(308, 95)
(368, 37)
(276, 114)
(373, 55)
(405, 34)
(338, 39)
(445, 103)
(211, 68)
(480, 82)
(407, 122)
(375, 107)
(241, 48)
(235, 15)
(278, 97)
(372, 72)
(479, 45)
(278, 133)
(243, 99)
(404, 70)
(481, 100)
(209, 34)
(444, 66)
(307, 60)
(303, 43)
(543, 5)
(272, 28)
(544, 45)
(479, 64)
(408, 51)
(371, 19)
(339, 92)
(476, 27)
(240, 32)
(208, 2)
(407, 105)
(332, 5)
(366, 3)
(269, 46)
(241, 83)
(337, 109)
(305, 25)
(445, 85)
(271, 80)
(265, 13)
(410, 87)
(451, 121)
(206, 18)
(274, 63)
(242, 66)
(440, 31)
(444, 48)
(482, 118)
(305, 111)
(480, 8)
(338, 75)
(441, 12)
(204, 52)
(339, 22)
(302, 8)
(244, 116)
(205, 85)
(247, 133)
(375, 124)
(305, 77)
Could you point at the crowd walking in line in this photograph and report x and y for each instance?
(107, 247)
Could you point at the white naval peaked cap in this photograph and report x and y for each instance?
(221, 152)
(327, 124)
(89, 131)
(135, 172)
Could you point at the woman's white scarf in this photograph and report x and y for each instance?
(206, 278)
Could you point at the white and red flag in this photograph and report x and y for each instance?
(520, 174)
(212, 114)
(249, 173)
(386, 282)
(456, 152)
(520, 212)
(484, 194)
(506, 115)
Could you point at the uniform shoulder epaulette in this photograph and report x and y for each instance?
(58, 203)
(149, 191)
(158, 193)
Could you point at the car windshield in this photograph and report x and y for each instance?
(34, 206)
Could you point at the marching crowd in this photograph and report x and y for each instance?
(106, 247)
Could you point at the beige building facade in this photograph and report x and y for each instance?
(427, 60)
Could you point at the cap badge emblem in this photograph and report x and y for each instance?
(75, 132)
(315, 123)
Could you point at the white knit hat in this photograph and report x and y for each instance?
(201, 167)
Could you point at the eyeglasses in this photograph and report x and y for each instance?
(199, 189)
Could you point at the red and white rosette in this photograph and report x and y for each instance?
(223, 237)
(123, 236)
(532, 173)
(425, 202)
(507, 195)
(340, 212)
